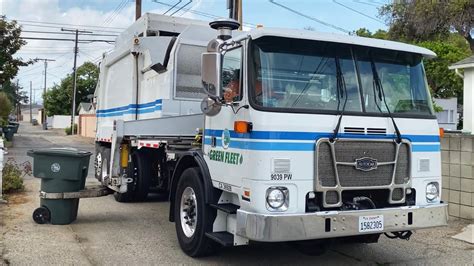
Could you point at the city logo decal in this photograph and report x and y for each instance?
(225, 138)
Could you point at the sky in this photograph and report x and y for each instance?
(107, 18)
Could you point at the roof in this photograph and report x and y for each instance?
(465, 63)
(340, 38)
(85, 106)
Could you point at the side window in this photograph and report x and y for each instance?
(188, 72)
(231, 75)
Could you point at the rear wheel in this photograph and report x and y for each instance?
(98, 161)
(193, 217)
(139, 169)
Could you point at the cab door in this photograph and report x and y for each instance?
(224, 149)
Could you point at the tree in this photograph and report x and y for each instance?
(10, 42)
(15, 93)
(58, 99)
(444, 83)
(417, 21)
(5, 108)
(379, 34)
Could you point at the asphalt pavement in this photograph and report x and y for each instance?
(111, 233)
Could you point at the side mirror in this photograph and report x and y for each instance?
(211, 74)
(210, 107)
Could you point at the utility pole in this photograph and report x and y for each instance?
(43, 114)
(74, 89)
(138, 9)
(18, 107)
(31, 99)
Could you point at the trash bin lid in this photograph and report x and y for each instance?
(64, 152)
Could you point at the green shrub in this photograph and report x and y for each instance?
(13, 174)
(68, 130)
(5, 108)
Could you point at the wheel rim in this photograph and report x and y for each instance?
(188, 211)
(98, 164)
(103, 169)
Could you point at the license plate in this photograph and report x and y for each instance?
(372, 223)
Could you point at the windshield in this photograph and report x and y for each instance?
(301, 75)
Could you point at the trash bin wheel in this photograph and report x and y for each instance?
(42, 215)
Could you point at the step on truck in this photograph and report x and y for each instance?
(270, 135)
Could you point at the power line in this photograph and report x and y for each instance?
(116, 13)
(65, 24)
(311, 18)
(189, 2)
(358, 12)
(169, 9)
(200, 13)
(366, 3)
(59, 27)
(66, 33)
(62, 39)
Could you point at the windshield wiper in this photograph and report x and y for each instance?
(341, 92)
(377, 83)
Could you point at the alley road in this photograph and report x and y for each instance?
(111, 233)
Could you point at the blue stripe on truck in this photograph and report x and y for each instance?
(142, 108)
(291, 135)
(251, 141)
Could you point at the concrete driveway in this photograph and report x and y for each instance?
(111, 233)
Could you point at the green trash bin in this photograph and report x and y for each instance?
(8, 131)
(15, 126)
(61, 170)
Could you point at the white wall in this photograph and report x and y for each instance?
(468, 113)
(62, 121)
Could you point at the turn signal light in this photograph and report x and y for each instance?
(242, 127)
(441, 132)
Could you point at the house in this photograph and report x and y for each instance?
(87, 120)
(35, 112)
(449, 117)
(467, 65)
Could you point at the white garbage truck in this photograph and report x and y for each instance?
(270, 135)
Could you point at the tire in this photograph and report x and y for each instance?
(191, 190)
(139, 170)
(142, 175)
(98, 161)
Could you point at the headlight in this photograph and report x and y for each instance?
(432, 191)
(277, 198)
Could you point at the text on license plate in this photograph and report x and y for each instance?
(371, 223)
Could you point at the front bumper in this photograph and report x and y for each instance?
(291, 227)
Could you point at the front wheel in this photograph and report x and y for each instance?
(193, 217)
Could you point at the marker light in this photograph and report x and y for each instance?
(242, 127)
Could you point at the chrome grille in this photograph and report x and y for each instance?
(351, 177)
(336, 169)
(349, 151)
